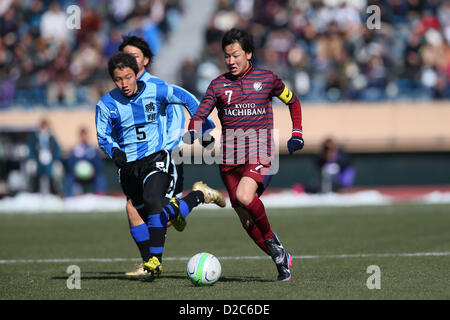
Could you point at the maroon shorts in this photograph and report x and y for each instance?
(231, 175)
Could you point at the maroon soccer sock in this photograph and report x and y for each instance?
(254, 233)
(258, 213)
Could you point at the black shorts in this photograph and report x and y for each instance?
(132, 178)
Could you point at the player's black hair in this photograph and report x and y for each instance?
(122, 60)
(139, 43)
(240, 36)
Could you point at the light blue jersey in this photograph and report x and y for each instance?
(137, 125)
(176, 119)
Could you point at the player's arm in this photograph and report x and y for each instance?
(103, 123)
(175, 125)
(203, 111)
(191, 103)
(290, 99)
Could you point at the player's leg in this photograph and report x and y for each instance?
(154, 189)
(179, 181)
(210, 195)
(248, 199)
(231, 180)
(141, 236)
(176, 209)
(179, 208)
(178, 222)
(251, 228)
(132, 188)
(250, 187)
(136, 216)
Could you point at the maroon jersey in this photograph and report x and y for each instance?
(244, 106)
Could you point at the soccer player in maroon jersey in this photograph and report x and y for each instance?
(243, 98)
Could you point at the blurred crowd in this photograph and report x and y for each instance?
(326, 50)
(335, 50)
(46, 60)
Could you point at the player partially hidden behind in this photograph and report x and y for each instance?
(243, 100)
(131, 123)
(140, 49)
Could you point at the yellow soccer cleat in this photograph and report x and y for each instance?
(138, 271)
(153, 266)
(178, 222)
(211, 195)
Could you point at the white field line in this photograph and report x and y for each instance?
(331, 256)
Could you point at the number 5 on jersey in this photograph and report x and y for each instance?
(140, 133)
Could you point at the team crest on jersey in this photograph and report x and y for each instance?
(257, 86)
(150, 107)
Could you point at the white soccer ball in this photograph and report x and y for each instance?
(203, 269)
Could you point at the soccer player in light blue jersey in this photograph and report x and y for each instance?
(131, 123)
(140, 49)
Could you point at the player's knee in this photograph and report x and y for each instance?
(244, 198)
(153, 204)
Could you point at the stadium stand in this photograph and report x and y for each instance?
(44, 63)
(327, 51)
(324, 49)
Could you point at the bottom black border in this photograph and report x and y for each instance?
(225, 309)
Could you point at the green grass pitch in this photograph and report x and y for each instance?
(332, 246)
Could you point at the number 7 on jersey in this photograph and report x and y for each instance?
(229, 93)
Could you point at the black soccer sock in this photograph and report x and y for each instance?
(157, 233)
(193, 199)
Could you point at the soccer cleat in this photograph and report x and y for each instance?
(211, 195)
(282, 259)
(153, 266)
(138, 271)
(284, 274)
(178, 222)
